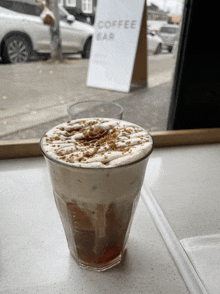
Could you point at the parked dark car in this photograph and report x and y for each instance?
(81, 16)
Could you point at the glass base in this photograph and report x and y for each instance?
(100, 267)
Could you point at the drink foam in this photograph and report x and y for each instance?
(97, 142)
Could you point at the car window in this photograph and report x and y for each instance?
(62, 14)
(73, 11)
(168, 30)
(20, 7)
(32, 9)
(12, 5)
(6, 4)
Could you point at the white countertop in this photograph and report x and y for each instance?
(34, 253)
(184, 181)
(186, 184)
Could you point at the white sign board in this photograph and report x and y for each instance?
(114, 45)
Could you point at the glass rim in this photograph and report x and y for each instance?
(69, 165)
(95, 101)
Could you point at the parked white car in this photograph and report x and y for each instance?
(154, 43)
(22, 32)
(168, 34)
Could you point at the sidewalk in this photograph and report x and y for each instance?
(47, 101)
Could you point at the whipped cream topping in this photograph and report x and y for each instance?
(97, 142)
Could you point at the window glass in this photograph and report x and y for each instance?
(62, 14)
(6, 4)
(13, 5)
(35, 94)
(32, 9)
(60, 2)
(87, 6)
(21, 7)
(168, 30)
(71, 3)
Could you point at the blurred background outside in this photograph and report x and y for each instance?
(35, 91)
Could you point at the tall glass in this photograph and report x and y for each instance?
(96, 207)
(95, 108)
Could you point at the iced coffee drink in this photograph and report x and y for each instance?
(97, 167)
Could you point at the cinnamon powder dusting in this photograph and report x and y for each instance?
(97, 142)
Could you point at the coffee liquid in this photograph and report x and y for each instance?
(99, 235)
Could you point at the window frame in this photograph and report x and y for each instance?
(85, 6)
(31, 148)
(61, 2)
(69, 4)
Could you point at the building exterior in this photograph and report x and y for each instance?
(156, 18)
(86, 6)
(153, 13)
(175, 19)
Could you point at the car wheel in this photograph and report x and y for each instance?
(159, 49)
(16, 49)
(87, 49)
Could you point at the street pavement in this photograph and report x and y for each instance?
(34, 96)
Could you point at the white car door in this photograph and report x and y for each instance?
(71, 36)
(152, 42)
(33, 25)
(149, 42)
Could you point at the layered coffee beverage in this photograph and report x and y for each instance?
(97, 167)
